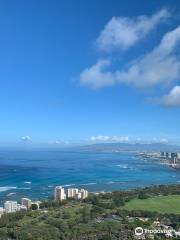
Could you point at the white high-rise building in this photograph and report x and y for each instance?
(84, 193)
(21, 207)
(26, 202)
(59, 193)
(10, 206)
(78, 195)
(72, 192)
(1, 211)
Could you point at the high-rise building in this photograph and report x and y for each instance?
(79, 195)
(72, 192)
(1, 211)
(21, 207)
(26, 202)
(10, 206)
(59, 193)
(174, 155)
(167, 155)
(84, 193)
(163, 154)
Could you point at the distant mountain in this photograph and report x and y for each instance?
(115, 147)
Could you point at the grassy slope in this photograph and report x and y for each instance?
(162, 204)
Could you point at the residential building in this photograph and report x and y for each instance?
(84, 193)
(72, 192)
(59, 193)
(1, 211)
(26, 202)
(21, 207)
(10, 206)
(79, 195)
(162, 154)
(174, 155)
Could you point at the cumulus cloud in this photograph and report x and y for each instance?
(97, 76)
(101, 138)
(160, 140)
(164, 140)
(172, 99)
(123, 32)
(160, 67)
(26, 139)
(60, 142)
(126, 139)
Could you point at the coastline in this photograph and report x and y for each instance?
(34, 176)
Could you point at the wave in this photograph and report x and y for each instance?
(27, 182)
(4, 189)
(10, 194)
(87, 184)
(68, 185)
(124, 166)
(111, 182)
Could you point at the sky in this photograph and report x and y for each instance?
(80, 72)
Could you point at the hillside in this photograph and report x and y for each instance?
(114, 147)
(100, 217)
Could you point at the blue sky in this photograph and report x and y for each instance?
(89, 71)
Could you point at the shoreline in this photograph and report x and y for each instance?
(49, 198)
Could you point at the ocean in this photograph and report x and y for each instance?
(35, 173)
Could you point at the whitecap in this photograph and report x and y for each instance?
(68, 185)
(124, 166)
(87, 184)
(24, 188)
(27, 182)
(7, 188)
(10, 194)
(110, 182)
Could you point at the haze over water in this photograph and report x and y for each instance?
(35, 173)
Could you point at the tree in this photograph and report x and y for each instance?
(34, 206)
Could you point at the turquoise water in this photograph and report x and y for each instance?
(35, 173)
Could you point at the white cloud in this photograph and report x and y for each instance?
(122, 32)
(160, 67)
(164, 140)
(172, 99)
(126, 139)
(96, 77)
(26, 139)
(60, 142)
(57, 142)
(161, 140)
(138, 139)
(109, 138)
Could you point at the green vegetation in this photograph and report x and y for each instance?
(161, 204)
(100, 217)
(68, 221)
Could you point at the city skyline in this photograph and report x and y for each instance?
(91, 72)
